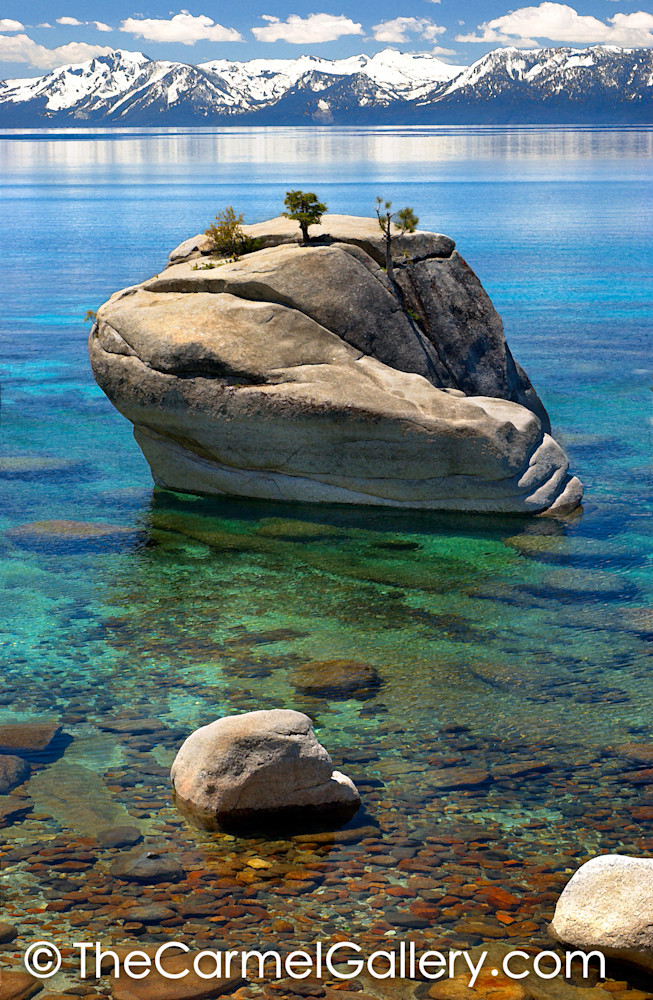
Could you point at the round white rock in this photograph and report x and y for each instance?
(260, 768)
(608, 906)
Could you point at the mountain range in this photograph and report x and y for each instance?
(597, 85)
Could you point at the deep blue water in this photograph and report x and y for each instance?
(531, 631)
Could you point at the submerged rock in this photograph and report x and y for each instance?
(13, 809)
(303, 373)
(13, 772)
(335, 678)
(24, 738)
(18, 985)
(33, 466)
(119, 836)
(260, 769)
(77, 798)
(7, 932)
(148, 868)
(608, 906)
(68, 534)
(177, 978)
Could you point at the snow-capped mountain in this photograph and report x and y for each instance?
(599, 84)
(128, 88)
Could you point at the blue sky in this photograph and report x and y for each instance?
(38, 35)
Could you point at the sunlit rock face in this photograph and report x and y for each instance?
(304, 373)
(607, 907)
(260, 769)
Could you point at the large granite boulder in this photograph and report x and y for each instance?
(261, 769)
(608, 906)
(303, 373)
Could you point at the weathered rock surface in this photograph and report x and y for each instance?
(608, 906)
(302, 373)
(261, 768)
(353, 230)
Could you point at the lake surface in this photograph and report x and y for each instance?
(516, 651)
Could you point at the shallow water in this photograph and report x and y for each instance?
(498, 640)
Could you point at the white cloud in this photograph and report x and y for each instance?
(183, 28)
(308, 30)
(439, 50)
(557, 22)
(22, 49)
(399, 28)
(8, 24)
(432, 31)
(73, 22)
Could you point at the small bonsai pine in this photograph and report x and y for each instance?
(405, 220)
(226, 233)
(304, 208)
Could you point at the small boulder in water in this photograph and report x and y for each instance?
(261, 769)
(607, 906)
(148, 868)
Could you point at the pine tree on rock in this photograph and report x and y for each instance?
(404, 220)
(303, 207)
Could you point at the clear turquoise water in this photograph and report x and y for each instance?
(529, 633)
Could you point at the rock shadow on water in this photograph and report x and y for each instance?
(282, 824)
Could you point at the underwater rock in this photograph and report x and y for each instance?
(27, 737)
(7, 932)
(493, 983)
(302, 373)
(119, 836)
(607, 906)
(17, 985)
(458, 777)
(33, 466)
(179, 980)
(640, 621)
(58, 535)
(13, 772)
(77, 798)
(13, 809)
(147, 867)
(335, 678)
(261, 769)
